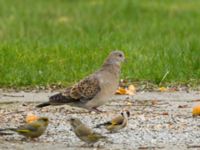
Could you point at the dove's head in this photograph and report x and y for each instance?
(115, 57)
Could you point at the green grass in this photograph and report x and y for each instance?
(60, 41)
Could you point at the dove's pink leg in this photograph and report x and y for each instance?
(96, 110)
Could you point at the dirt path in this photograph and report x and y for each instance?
(158, 121)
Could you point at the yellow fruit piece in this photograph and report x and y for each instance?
(126, 91)
(129, 103)
(131, 90)
(162, 89)
(196, 110)
(121, 91)
(30, 118)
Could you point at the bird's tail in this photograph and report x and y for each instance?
(106, 139)
(57, 99)
(6, 129)
(43, 104)
(100, 136)
(4, 133)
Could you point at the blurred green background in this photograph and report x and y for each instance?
(60, 41)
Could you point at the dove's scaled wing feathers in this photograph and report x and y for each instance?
(84, 90)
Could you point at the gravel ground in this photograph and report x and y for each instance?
(159, 120)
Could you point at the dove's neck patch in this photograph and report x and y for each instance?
(112, 68)
(112, 62)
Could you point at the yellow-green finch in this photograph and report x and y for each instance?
(116, 123)
(84, 133)
(33, 129)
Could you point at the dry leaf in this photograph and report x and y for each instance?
(196, 110)
(30, 118)
(121, 91)
(131, 90)
(162, 89)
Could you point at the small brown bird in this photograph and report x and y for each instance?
(117, 123)
(84, 133)
(95, 90)
(33, 129)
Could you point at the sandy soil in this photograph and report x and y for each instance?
(159, 120)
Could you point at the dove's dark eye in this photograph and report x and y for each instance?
(120, 55)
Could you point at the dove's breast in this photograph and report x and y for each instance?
(108, 85)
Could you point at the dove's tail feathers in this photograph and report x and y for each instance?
(43, 104)
(103, 124)
(59, 99)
